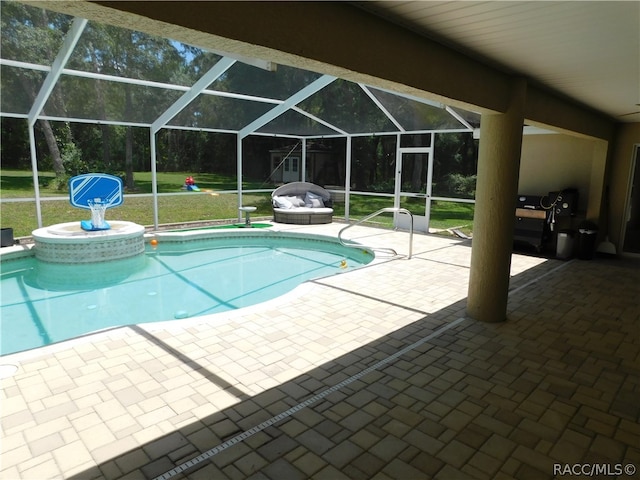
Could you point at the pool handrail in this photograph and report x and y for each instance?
(374, 214)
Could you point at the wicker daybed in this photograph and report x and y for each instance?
(301, 203)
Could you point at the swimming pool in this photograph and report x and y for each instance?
(184, 276)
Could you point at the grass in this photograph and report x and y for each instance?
(444, 215)
(192, 206)
(19, 183)
(186, 207)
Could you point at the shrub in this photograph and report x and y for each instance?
(461, 185)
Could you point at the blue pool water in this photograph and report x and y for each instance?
(44, 303)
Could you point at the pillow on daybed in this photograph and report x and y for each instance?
(296, 201)
(282, 202)
(313, 200)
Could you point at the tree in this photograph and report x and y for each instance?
(39, 32)
(34, 35)
(455, 165)
(115, 51)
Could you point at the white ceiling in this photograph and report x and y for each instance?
(586, 50)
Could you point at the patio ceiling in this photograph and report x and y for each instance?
(233, 95)
(588, 51)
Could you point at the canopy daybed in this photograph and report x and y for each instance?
(301, 203)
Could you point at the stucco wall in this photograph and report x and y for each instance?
(554, 162)
(628, 135)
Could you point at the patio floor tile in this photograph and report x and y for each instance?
(286, 387)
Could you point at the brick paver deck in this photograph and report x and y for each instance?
(375, 373)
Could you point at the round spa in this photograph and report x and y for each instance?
(69, 243)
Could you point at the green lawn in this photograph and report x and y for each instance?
(19, 183)
(443, 214)
(190, 206)
(21, 216)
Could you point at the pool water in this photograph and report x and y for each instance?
(44, 303)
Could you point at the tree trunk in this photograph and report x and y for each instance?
(104, 129)
(56, 158)
(418, 175)
(49, 136)
(128, 160)
(106, 145)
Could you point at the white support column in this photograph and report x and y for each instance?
(239, 173)
(34, 171)
(347, 179)
(397, 175)
(154, 178)
(429, 186)
(303, 160)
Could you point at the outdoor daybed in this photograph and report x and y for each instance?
(301, 203)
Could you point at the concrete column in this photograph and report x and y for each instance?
(494, 219)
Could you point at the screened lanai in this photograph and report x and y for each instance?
(56, 68)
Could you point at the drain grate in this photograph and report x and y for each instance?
(315, 398)
(310, 401)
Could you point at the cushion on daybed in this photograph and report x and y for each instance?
(307, 210)
(287, 202)
(313, 200)
(282, 202)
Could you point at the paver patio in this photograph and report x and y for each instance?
(375, 373)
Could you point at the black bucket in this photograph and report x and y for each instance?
(587, 235)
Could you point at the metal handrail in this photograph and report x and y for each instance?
(375, 214)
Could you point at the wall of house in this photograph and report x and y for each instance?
(553, 162)
(628, 135)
